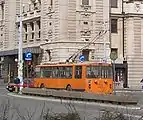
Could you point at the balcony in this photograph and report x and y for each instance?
(29, 15)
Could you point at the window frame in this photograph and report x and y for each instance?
(114, 25)
(79, 70)
(104, 72)
(114, 4)
(38, 72)
(85, 1)
(91, 69)
(57, 72)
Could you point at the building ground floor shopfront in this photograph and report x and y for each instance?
(9, 63)
(121, 75)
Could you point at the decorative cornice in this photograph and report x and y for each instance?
(131, 1)
(126, 15)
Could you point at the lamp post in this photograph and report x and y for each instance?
(20, 51)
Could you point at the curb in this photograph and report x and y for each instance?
(74, 95)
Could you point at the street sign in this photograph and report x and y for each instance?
(113, 54)
(81, 58)
(28, 56)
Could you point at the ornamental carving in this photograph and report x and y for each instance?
(33, 1)
(137, 7)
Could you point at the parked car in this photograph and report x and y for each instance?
(12, 86)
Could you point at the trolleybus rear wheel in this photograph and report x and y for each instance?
(69, 88)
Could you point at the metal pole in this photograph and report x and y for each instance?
(9, 71)
(104, 26)
(114, 77)
(123, 32)
(27, 73)
(20, 51)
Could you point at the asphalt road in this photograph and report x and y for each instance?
(22, 107)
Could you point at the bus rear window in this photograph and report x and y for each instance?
(106, 72)
(99, 72)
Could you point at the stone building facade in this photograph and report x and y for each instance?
(70, 25)
(56, 30)
(53, 30)
(127, 37)
(31, 19)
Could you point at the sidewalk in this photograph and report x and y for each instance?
(2, 82)
(129, 89)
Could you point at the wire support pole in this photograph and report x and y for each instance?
(104, 40)
(20, 51)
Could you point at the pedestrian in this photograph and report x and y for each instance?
(141, 84)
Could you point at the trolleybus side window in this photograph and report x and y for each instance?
(64, 72)
(78, 71)
(38, 72)
(46, 72)
(92, 72)
(57, 72)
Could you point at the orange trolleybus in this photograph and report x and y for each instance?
(87, 77)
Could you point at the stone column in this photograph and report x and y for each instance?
(36, 29)
(29, 31)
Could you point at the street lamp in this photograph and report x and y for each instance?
(20, 51)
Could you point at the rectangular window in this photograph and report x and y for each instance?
(39, 34)
(85, 2)
(39, 24)
(78, 72)
(57, 72)
(99, 72)
(106, 72)
(85, 53)
(26, 36)
(32, 26)
(2, 9)
(114, 3)
(114, 25)
(25, 27)
(93, 72)
(46, 72)
(38, 72)
(51, 3)
(32, 35)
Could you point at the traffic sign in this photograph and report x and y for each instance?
(113, 54)
(28, 56)
(81, 58)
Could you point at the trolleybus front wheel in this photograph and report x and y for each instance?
(42, 85)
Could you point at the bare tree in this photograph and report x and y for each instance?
(48, 114)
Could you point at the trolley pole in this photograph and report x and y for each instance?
(20, 51)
